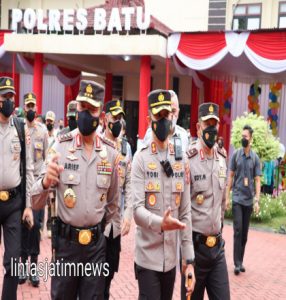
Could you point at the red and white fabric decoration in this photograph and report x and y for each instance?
(201, 51)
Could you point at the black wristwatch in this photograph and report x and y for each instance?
(190, 262)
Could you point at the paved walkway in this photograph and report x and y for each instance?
(265, 276)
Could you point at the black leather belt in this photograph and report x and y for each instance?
(9, 194)
(210, 241)
(82, 235)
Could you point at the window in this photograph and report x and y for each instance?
(117, 87)
(247, 17)
(282, 15)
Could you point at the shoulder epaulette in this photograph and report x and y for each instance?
(192, 152)
(221, 152)
(65, 137)
(108, 142)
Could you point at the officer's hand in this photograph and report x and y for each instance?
(227, 203)
(190, 285)
(170, 223)
(256, 208)
(28, 216)
(53, 172)
(125, 227)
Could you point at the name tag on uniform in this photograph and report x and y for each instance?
(104, 169)
(245, 181)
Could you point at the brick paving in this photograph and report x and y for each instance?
(265, 276)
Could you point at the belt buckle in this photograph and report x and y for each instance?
(4, 195)
(211, 241)
(84, 236)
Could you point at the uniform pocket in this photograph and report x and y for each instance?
(70, 178)
(15, 146)
(103, 181)
(178, 188)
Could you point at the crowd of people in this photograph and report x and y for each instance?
(85, 176)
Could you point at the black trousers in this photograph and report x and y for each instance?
(31, 238)
(155, 285)
(10, 220)
(71, 253)
(113, 248)
(241, 218)
(211, 273)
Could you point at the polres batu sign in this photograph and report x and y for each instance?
(68, 19)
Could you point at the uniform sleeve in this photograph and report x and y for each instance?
(39, 195)
(185, 216)
(46, 145)
(128, 207)
(112, 205)
(257, 169)
(29, 169)
(142, 216)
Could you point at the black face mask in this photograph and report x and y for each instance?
(87, 124)
(7, 108)
(61, 127)
(162, 128)
(31, 115)
(209, 136)
(72, 123)
(50, 126)
(115, 128)
(220, 144)
(244, 142)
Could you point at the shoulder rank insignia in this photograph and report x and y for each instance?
(108, 142)
(192, 152)
(65, 137)
(222, 152)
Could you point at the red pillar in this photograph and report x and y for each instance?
(144, 89)
(38, 80)
(167, 72)
(108, 87)
(194, 109)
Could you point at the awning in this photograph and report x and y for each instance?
(230, 52)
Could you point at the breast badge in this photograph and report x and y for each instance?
(69, 198)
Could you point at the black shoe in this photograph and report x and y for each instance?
(35, 280)
(236, 270)
(23, 276)
(242, 268)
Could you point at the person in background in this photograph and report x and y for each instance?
(15, 208)
(176, 131)
(208, 179)
(244, 180)
(220, 143)
(120, 226)
(31, 238)
(71, 117)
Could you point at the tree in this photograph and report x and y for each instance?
(264, 143)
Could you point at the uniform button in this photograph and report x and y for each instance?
(71, 177)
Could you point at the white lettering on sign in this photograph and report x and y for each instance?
(17, 16)
(127, 12)
(30, 18)
(41, 25)
(114, 21)
(68, 19)
(81, 16)
(99, 19)
(54, 20)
